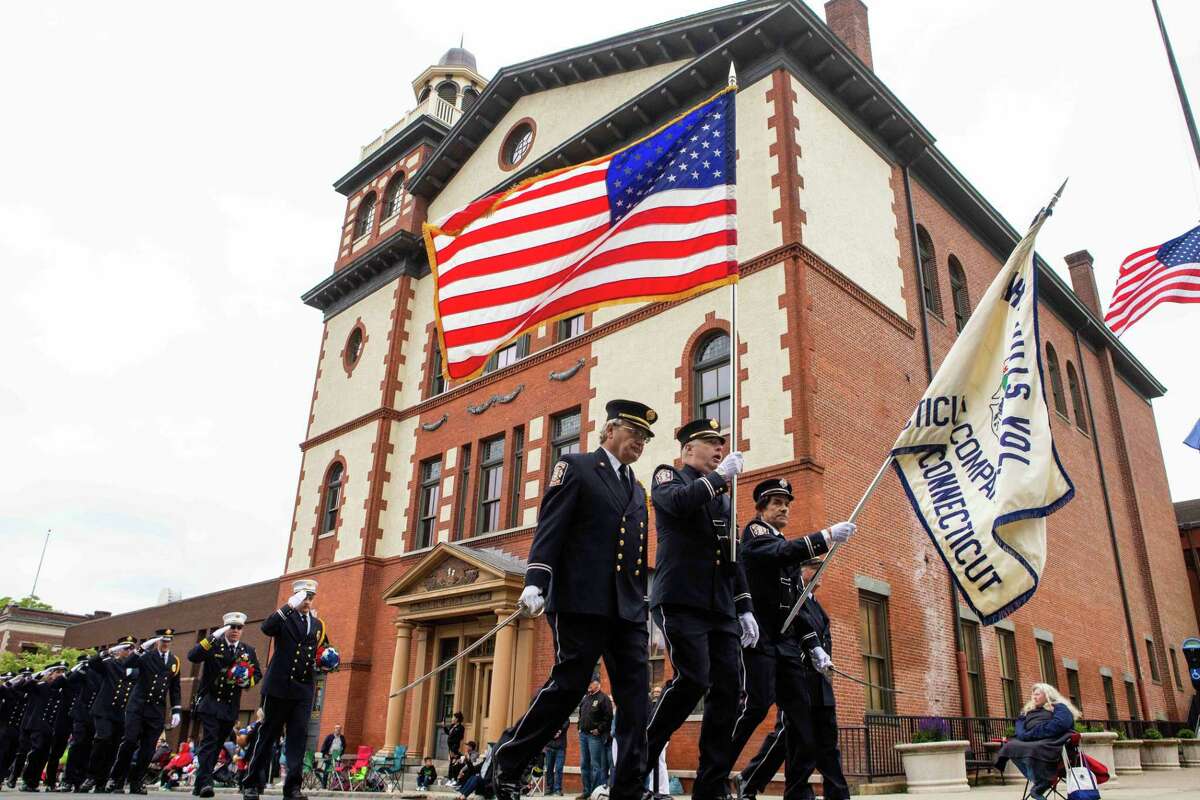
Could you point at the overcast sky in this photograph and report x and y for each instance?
(165, 198)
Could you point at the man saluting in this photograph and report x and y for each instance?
(587, 567)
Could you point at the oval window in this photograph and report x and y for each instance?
(354, 344)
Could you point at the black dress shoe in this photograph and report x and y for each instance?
(25, 787)
(504, 789)
(250, 793)
(207, 791)
(294, 795)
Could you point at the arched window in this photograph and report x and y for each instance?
(437, 380)
(365, 220)
(470, 97)
(1060, 402)
(393, 196)
(1076, 398)
(933, 297)
(333, 498)
(711, 382)
(424, 95)
(448, 91)
(958, 293)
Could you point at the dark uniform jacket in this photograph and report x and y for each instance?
(157, 680)
(73, 686)
(216, 695)
(12, 709)
(290, 673)
(115, 686)
(589, 552)
(772, 564)
(90, 680)
(691, 513)
(44, 705)
(820, 686)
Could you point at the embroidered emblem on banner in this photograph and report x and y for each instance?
(663, 476)
(560, 472)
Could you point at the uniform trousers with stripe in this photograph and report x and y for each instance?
(18, 762)
(35, 761)
(109, 733)
(579, 642)
(767, 761)
(82, 733)
(137, 748)
(216, 731)
(705, 655)
(8, 750)
(62, 736)
(287, 714)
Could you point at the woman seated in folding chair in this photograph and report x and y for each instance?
(1043, 729)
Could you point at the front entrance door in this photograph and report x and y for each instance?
(480, 699)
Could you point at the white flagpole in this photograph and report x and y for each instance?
(733, 394)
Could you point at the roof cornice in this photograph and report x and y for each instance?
(422, 130)
(402, 252)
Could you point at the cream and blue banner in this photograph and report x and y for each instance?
(977, 459)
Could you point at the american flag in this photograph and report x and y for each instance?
(1167, 273)
(656, 220)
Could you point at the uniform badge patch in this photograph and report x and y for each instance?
(758, 530)
(560, 472)
(663, 476)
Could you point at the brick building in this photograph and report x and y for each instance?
(1187, 516)
(23, 629)
(861, 251)
(192, 618)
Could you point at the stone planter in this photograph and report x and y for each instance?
(1127, 753)
(1160, 754)
(1191, 752)
(1100, 747)
(1011, 774)
(935, 766)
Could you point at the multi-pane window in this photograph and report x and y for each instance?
(491, 485)
(469, 98)
(460, 505)
(958, 293)
(1056, 387)
(712, 379)
(1110, 698)
(569, 328)
(1175, 668)
(971, 643)
(364, 221)
(1006, 643)
(1046, 661)
(448, 680)
(873, 640)
(564, 435)
(508, 355)
(518, 469)
(448, 91)
(437, 379)
(394, 196)
(1131, 700)
(1155, 675)
(431, 492)
(933, 297)
(1076, 398)
(1073, 688)
(333, 498)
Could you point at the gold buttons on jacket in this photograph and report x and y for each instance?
(620, 556)
(618, 567)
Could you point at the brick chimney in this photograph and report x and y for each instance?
(848, 19)
(1083, 280)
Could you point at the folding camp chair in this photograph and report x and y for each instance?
(358, 772)
(1054, 790)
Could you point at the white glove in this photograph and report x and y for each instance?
(840, 532)
(731, 465)
(175, 720)
(821, 660)
(79, 666)
(749, 629)
(148, 645)
(533, 601)
(218, 633)
(295, 600)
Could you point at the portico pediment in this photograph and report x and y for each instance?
(453, 578)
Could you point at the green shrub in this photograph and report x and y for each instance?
(1186, 733)
(933, 729)
(1120, 736)
(1152, 733)
(1097, 728)
(1010, 732)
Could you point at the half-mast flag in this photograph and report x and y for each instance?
(655, 220)
(1165, 273)
(977, 459)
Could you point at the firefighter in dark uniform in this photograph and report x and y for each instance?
(22, 686)
(42, 712)
(288, 688)
(587, 567)
(73, 683)
(230, 665)
(83, 729)
(108, 711)
(775, 671)
(155, 670)
(700, 602)
(12, 701)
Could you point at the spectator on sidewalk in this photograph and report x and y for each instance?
(454, 733)
(469, 779)
(595, 719)
(457, 764)
(427, 776)
(556, 757)
(331, 750)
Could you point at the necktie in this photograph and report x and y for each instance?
(307, 624)
(165, 657)
(627, 480)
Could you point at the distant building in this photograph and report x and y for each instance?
(192, 620)
(23, 629)
(1187, 514)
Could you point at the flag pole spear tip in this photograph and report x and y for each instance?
(732, 75)
(1058, 194)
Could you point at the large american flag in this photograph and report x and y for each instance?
(656, 220)
(1166, 273)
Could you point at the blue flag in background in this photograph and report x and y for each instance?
(1193, 438)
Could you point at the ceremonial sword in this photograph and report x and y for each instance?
(466, 650)
(864, 683)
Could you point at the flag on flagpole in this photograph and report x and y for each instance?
(655, 220)
(1193, 438)
(977, 459)
(1166, 273)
